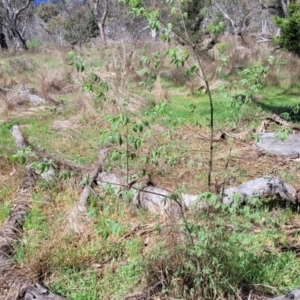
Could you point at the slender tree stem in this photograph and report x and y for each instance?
(211, 145)
(211, 138)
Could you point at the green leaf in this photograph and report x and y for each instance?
(145, 60)
(144, 72)
(132, 155)
(124, 119)
(79, 67)
(114, 138)
(95, 77)
(154, 161)
(173, 11)
(88, 87)
(140, 127)
(137, 143)
(120, 140)
(135, 128)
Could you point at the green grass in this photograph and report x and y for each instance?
(5, 207)
(7, 143)
(280, 101)
(196, 109)
(36, 230)
(92, 285)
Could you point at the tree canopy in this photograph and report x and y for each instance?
(289, 38)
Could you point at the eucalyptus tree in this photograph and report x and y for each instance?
(238, 13)
(100, 11)
(14, 19)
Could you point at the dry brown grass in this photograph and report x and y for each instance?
(286, 71)
(52, 83)
(85, 104)
(177, 76)
(160, 94)
(9, 82)
(14, 101)
(292, 68)
(20, 64)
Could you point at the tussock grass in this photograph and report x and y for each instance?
(52, 83)
(14, 101)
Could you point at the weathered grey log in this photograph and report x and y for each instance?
(10, 230)
(32, 96)
(112, 179)
(156, 200)
(19, 139)
(12, 283)
(37, 292)
(159, 201)
(294, 295)
(270, 144)
(78, 217)
(264, 187)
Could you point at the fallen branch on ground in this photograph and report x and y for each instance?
(78, 217)
(293, 295)
(13, 284)
(279, 121)
(163, 202)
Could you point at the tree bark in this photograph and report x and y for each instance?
(163, 202)
(78, 217)
(101, 19)
(293, 295)
(11, 20)
(3, 41)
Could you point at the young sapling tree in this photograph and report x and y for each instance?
(191, 46)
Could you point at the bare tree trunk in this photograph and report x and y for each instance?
(285, 4)
(101, 19)
(102, 33)
(11, 20)
(3, 44)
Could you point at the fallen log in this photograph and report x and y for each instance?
(10, 230)
(78, 217)
(13, 284)
(270, 144)
(293, 295)
(265, 187)
(165, 203)
(276, 119)
(18, 136)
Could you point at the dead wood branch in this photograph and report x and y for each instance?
(266, 187)
(10, 230)
(270, 144)
(163, 202)
(18, 136)
(276, 119)
(282, 122)
(293, 295)
(78, 216)
(13, 284)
